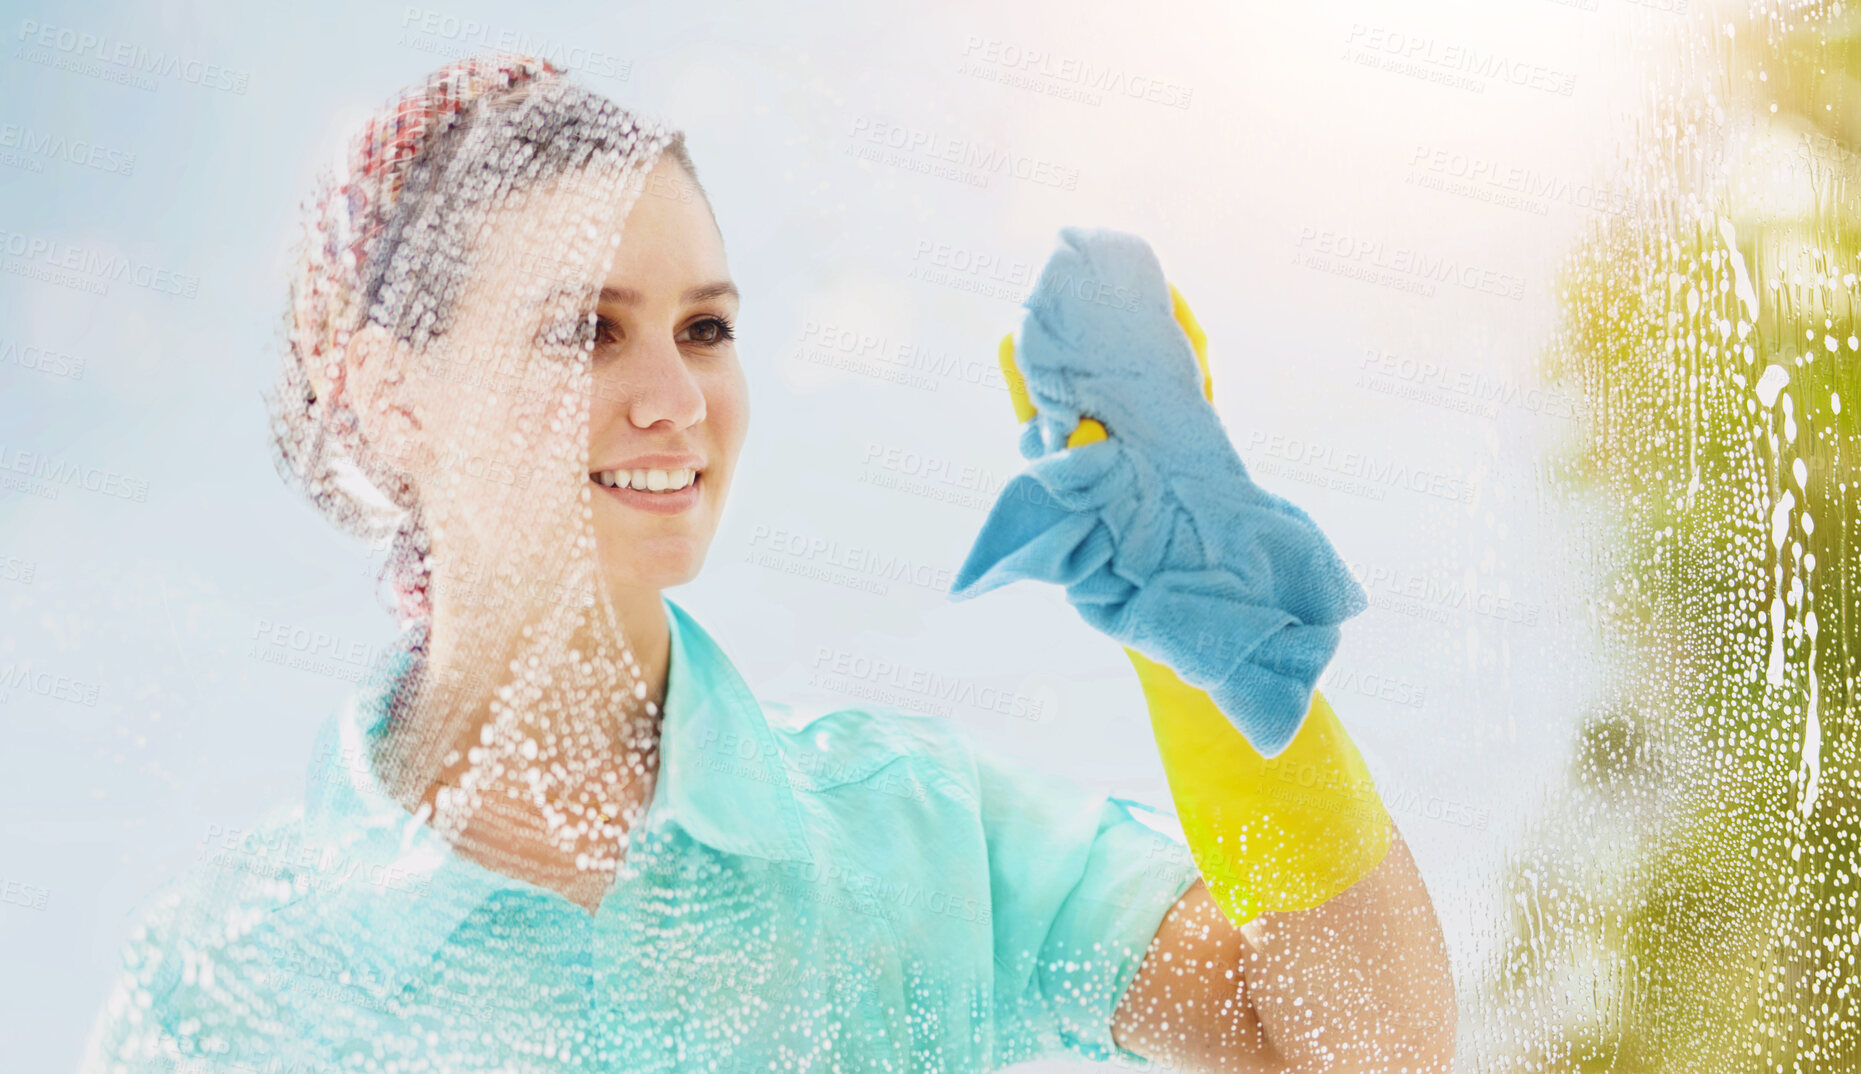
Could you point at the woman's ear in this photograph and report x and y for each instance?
(376, 384)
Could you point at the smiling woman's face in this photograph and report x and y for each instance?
(490, 421)
(670, 406)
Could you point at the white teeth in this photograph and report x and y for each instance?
(647, 480)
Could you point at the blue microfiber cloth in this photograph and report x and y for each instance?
(1161, 539)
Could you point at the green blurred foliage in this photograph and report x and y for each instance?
(1711, 333)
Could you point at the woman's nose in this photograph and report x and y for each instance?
(655, 384)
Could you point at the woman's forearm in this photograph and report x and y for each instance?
(1360, 983)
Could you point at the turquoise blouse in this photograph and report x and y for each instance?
(819, 890)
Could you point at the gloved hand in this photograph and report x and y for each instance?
(1155, 529)
(1282, 834)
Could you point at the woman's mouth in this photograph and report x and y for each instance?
(665, 492)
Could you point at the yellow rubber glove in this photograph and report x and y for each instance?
(1281, 834)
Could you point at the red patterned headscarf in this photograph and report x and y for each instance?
(350, 209)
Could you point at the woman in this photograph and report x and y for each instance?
(558, 832)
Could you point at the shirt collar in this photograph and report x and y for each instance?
(722, 777)
(721, 780)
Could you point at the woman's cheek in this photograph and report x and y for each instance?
(742, 405)
(729, 408)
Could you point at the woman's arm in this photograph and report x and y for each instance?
(1360, 983)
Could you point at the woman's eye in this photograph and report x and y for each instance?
(712, 331)
(578, 332)
(565, 334)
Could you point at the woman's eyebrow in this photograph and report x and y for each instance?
(627, 296)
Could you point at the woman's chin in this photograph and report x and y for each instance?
(653, 569)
